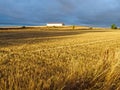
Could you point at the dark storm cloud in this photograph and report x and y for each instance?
(90, 12)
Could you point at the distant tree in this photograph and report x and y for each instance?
(113, 26)
(73, 27)
(91, 28)
(23, 27)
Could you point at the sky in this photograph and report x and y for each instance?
(70, 12)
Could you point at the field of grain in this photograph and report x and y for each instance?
(59, 59)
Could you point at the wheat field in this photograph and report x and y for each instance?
(59, 59)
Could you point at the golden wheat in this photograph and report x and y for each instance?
(59, 60)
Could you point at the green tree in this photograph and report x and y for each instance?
(113, 26)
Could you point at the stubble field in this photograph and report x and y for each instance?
(59, 59)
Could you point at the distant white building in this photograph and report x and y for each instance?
(55, 24)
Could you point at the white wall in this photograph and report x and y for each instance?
(60, 24)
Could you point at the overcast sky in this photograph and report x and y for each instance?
(88, 12)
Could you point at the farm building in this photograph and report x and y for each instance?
(55, 24)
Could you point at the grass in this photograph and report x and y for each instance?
(43, 59)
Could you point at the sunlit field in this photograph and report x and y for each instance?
(54, 58)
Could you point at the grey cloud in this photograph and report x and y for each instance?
(91, 12)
